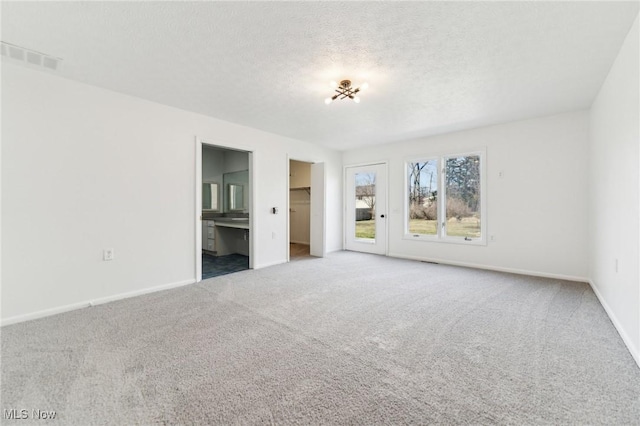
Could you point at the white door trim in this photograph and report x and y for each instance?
(318, 211)
(198, 201)
(198, 211)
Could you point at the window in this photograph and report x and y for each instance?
(444, 198)
(423, 197)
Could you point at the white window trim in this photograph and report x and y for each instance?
(440, 236)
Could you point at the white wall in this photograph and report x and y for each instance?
(299, 216)
(614, 214)
(212, 165)
(216, 162)
(536, 211)
(299, 174)
(235, 161)
(85, 169)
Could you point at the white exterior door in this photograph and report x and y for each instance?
(366, 208)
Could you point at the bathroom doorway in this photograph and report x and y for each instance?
(224, 199)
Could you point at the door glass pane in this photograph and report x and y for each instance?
(365, 205)
(463, 196)
(423, 197)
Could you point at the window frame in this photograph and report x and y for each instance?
(441, 235)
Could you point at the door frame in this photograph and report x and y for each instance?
(385, 164)
(199, 144)
(320, 226)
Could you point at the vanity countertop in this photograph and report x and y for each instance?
(241, 223)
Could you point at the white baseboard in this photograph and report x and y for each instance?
(625, 337)
(494, 268)
(44, 313)
(135, 293)
(86, 304)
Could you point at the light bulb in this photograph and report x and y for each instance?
(328, 101)
(356, 99)
(364, 86)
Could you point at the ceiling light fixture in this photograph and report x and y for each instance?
(345, 90)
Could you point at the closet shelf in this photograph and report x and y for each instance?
(302, 188)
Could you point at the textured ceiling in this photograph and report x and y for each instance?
(432, 67)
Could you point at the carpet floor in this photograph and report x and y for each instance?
(347, 339)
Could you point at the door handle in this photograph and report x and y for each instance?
(382, 216)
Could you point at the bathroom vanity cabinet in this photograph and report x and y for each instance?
(209, 236)
(224, 236)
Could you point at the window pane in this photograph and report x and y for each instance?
(423, 197)
(365, 205)
(463, 196)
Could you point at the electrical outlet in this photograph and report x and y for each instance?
(616, 265)
(492, 238)
(107, 254)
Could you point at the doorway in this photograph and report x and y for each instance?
(299, 210)
(224, 200)
(366, 208)
(305, 210)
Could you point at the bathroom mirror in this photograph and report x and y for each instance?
(236, 197)
(210, 198)
(236, 191)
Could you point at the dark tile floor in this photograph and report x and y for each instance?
(213, 266)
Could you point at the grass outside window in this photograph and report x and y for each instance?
(468, 226)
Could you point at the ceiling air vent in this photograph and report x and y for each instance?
(29, 56)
